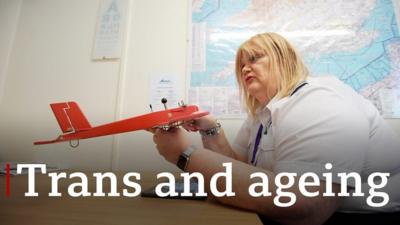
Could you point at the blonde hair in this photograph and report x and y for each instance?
(285, 63)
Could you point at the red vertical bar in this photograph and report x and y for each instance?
(8, 191)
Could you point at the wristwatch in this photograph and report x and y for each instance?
(184, 158)
(212, 131)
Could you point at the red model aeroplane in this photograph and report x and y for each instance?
(75, 126)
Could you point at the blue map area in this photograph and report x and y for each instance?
(215, 14)
(370, 64)
(366, 66)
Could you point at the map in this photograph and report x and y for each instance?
(357, 41)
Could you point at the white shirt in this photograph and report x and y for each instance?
(326, 122)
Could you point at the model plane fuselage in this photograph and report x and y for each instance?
(75, 126)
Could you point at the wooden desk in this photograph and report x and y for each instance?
(43, 210)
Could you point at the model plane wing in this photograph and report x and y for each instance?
(75, 126)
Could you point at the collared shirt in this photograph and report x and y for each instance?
(325, 122)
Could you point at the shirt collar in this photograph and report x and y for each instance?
(263, 113)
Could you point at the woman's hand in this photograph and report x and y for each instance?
(202, 123)
(171, 143)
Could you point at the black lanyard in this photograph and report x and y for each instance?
(260, 128)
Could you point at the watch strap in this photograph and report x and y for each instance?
(184, 158)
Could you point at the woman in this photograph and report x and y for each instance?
(295, 124)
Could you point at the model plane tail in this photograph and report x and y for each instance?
(70, 117)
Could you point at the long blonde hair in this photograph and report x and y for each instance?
(285, 63)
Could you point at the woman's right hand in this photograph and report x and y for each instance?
(202, 123)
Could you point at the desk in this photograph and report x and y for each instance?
(43, 210)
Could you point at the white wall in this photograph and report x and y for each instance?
(9, 14)
(157, 45)
(50, 61)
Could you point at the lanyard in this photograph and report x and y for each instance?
(260, 129)
(258, 139)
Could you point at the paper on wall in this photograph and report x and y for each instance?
(390, 102)
(164, 86)
(111, 23)
(221, 102)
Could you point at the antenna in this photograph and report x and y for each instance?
(164, 102)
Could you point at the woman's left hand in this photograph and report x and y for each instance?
(171, 143)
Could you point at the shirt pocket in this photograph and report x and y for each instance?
(266, 152)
